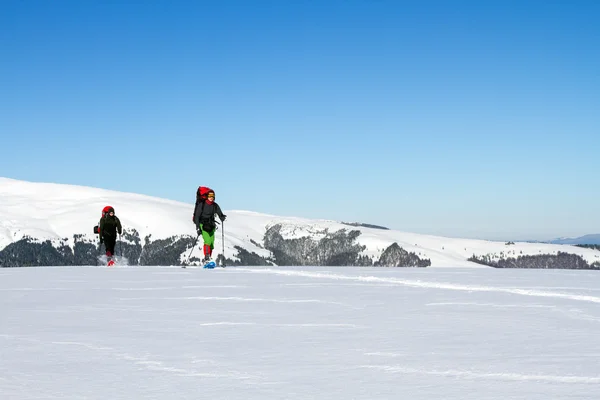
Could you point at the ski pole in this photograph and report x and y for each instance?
(193, 246)
(223, 242)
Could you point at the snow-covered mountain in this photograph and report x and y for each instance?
(52, 224)
(585, 239)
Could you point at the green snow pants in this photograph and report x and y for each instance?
(208, 237)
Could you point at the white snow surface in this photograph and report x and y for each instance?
(298, 333)
(57, 211)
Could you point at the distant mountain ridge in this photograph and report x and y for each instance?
(51, 224)
(585, 239)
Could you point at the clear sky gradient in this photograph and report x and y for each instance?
(459, 118)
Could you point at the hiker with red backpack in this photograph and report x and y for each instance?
(109, 226)
(204, 219)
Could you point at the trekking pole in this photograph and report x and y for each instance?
(223, 242)
(193, 246)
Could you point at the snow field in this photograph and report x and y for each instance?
(322, 333)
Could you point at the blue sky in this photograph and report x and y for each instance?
(459, 118)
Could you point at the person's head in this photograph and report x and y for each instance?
(211, 196)
(111, 212)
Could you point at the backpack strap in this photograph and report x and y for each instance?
(200, 212)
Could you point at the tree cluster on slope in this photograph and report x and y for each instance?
(338, 248)
(130, 246)
(589, 246)
(396, 256)
(560, 260)
(85, 251)
(28, 252)
(244, 258)
(334, 249)
(164, 251)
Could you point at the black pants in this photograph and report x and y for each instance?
(109, 242)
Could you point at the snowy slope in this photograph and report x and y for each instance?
(256, 333)
(55, 211)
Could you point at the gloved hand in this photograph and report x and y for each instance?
(199, 230)
(223, 219)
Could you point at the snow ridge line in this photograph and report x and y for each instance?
(509, 376)
(428, 285)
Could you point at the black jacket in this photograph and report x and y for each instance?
(205, 213)
(109, 226)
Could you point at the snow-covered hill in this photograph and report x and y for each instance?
(64, 214)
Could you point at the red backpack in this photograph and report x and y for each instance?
(202, 192)
(201, 195)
